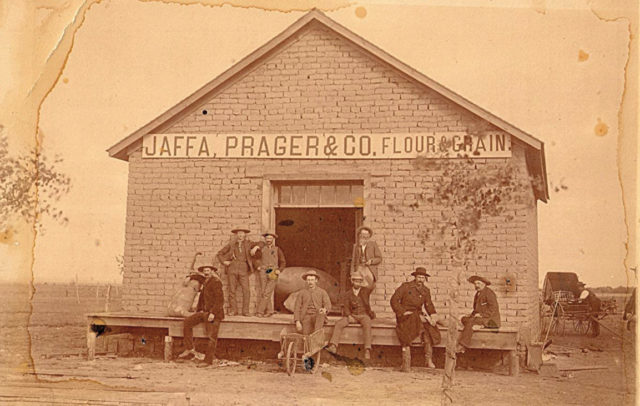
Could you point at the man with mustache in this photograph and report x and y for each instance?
(486, 312)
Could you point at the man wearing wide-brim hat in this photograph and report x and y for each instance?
(312, 305)
(356, 308)
(366, 257)
(236, 258)
(270, 261)
(486, 312)
(210, 310)
(415, 316)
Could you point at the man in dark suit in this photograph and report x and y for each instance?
(210, 310)
(485, 312)
(236, 257)
(587, 296)
(415, 315)
(366, 257)
(312, 305)
(356, 307)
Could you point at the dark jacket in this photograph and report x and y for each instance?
(226, 253)
(371, 252)
(211, 298)
(348, 305)
(485, 304)
(410, 297)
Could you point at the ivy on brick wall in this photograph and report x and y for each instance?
(466, 193)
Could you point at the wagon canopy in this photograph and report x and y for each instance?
(559, 281)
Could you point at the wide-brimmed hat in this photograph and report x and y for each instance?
(270, 232)
(245, 230)
(310, 273)
(207, 269)
(357, 275)
(582, 284)
(364, 228)
(479, 278)
(420, 271)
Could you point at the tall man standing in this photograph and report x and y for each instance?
(236, 257)
(366, 257)
(355, 304)
(485, 312)
(210, 310)
(408, 302)
(271, 262)
(312, 305)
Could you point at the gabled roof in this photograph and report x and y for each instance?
(163, 121)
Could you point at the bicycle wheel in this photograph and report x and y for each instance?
(291, 358)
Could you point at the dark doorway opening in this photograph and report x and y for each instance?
(318, 237)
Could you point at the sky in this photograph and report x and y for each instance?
(557, 73)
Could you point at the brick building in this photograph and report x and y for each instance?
(313, 134)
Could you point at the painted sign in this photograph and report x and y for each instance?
(495, 144)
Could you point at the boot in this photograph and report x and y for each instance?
(428, 354)
(406, 359)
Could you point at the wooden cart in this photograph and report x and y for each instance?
(300, 347)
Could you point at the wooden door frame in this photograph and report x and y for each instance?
(268, 212)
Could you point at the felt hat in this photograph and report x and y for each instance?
(270, 232)
(420, 271)
(364, 228)
(357, 276)
(310, 273)
(479, 278)
(207, 269)
(235, 230)
(582, 284)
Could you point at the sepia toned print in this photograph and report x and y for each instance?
(322, 222)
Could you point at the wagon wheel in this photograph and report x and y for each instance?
(581, 326)
(291, 358)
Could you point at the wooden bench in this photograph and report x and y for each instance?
(271, 328)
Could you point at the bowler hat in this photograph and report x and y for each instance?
(364, 228)
(420, 271)
(479, 278)
(310, 273)
(270, 232)
(235, 230)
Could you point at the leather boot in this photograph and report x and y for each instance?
(428, 353)
(406, 359)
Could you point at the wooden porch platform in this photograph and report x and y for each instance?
(271, 328)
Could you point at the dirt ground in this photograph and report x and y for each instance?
(45, 364)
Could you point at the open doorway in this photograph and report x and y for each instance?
(318, 237)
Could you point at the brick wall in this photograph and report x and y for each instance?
(317, 83)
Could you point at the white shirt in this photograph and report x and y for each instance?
(584, 294)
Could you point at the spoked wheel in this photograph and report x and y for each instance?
(291, 358)
(582, 326)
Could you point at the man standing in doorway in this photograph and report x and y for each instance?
(415, 316)
(210, 310)
(355, 304)
(366, 257)
(312, 305)
(485, 312)
(272, 261)
(236, 257)
(587, 296)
